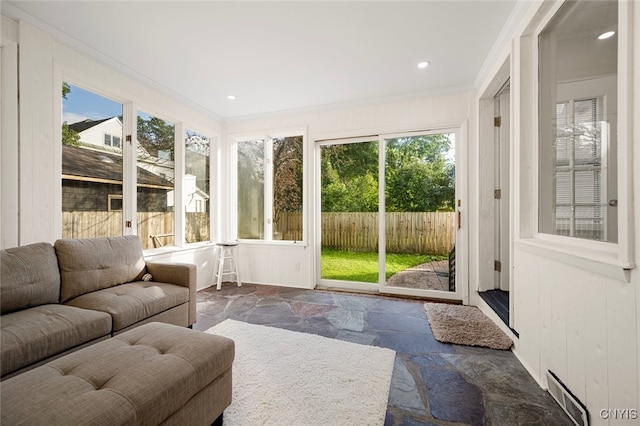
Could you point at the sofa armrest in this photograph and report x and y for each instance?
(182, 274)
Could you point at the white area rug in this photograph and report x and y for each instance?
(282, 377)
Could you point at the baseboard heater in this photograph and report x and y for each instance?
(575, 409)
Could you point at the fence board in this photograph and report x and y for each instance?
(88, 224)
(407, 232)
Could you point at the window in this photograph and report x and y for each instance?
(115, 203)
(91, 174)
(579, 156)
(155, 172)
(270, 189)
(578, 168)
(112, 140)
(197, 187)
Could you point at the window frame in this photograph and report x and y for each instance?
(572, 168)
(213, 180)
(268, 137)
(130, 109)
(610, 259)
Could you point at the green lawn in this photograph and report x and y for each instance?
(363, 267)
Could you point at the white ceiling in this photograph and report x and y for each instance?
(277, 56)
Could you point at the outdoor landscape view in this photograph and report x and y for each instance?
(418, 193)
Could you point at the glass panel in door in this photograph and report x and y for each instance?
(349, 214)
(420, 229)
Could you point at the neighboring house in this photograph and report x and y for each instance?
(106, 132)
(106, 135)
(92, 181)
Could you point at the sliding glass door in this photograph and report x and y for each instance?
(349, 213)
(403, 184)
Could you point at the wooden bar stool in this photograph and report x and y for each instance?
(227, 263)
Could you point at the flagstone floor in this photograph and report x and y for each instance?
(433, 383)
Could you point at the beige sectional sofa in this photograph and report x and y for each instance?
(155, 374)
(57, 299)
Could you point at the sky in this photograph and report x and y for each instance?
(82, 104)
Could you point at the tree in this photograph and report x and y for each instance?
(418, 175)
(349, 174)
(69, 136)
(287, 176)
(156, 135)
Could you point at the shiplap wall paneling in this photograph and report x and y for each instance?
(9, 127)
(37, 148)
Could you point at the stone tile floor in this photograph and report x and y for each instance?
(433, 383)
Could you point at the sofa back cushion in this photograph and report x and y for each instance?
(29, 277)
(91, 264)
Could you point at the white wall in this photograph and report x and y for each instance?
(580, 319)
(34, 176)
(276, 263)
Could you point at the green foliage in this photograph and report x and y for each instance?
(156, 135)
(363, 266)
(418, 176)
(69, 136)
(350, 177)
(66, 89)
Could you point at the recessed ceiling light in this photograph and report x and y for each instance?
(423, 64)
(231, 97)
(606, 35)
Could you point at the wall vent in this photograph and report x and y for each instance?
(569, 403)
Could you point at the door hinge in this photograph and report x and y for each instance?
(497, 266)
(497, 194)
(127, 224)
(497, 121)
(128, 138)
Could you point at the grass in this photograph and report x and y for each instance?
(363, 266)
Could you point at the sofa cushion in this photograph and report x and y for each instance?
(140, 377)
(29, 277)
(133, 302)
(91, 264)
(34, 334)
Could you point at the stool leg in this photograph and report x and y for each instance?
(220, 268)
(235, 263)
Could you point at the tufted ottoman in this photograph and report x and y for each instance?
(154, 374)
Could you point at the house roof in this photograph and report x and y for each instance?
(83, 125)
(80, 163)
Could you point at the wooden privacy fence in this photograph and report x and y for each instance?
(407, 232)
(413, 232)
(86, 224)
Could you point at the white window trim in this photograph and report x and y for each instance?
(267, 137)
(130, 110)
(611, 259)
